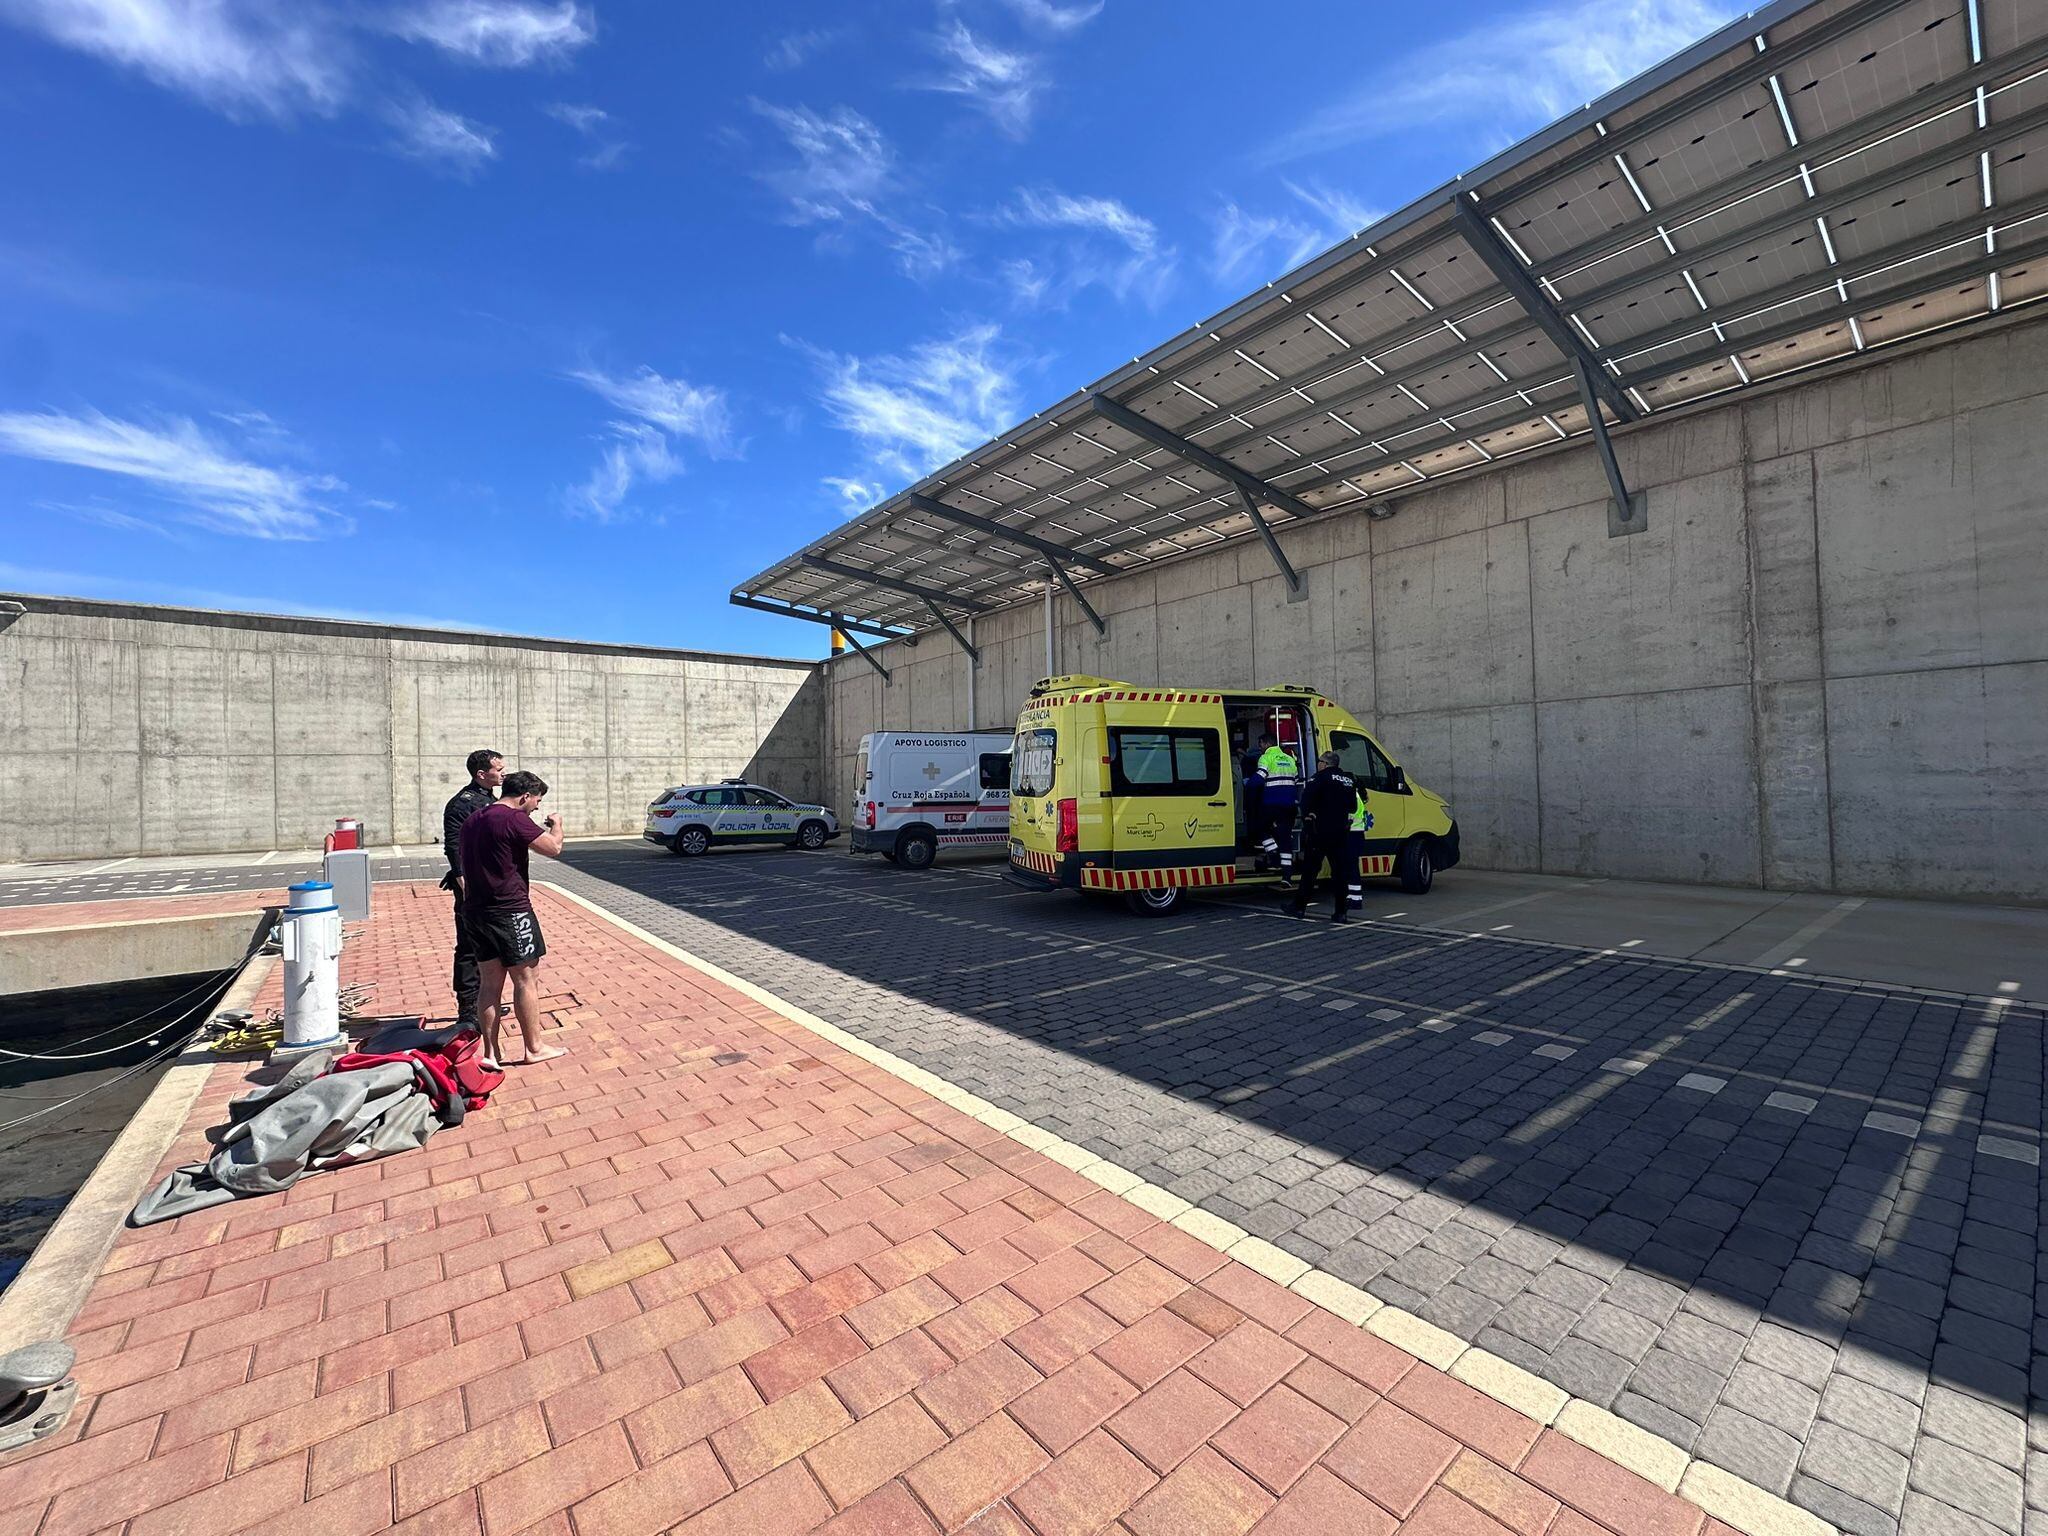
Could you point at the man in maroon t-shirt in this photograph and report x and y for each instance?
(497, 908)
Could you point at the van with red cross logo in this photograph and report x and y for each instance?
(918, 793)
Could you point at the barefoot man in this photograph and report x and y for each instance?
(498, 908)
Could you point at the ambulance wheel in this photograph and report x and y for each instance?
(690, 842)
(1416, 866)
(916, 850)
(1157, 903)
(811, 835)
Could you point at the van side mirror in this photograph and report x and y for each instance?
(1400, 781)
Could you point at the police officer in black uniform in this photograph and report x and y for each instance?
(486, 773)
(1326, 805)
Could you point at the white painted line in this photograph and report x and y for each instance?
(1777, 954)
(268, 857)
(2005, 1146)
(1437, 1026)
(1798, 1103)
(1700, 1082)
(1339, 1004)
(1555, 1052)
(1630, 943)
(1298, 996)
(1386, 1013)
(2008, 986)
(1895, 1125)
(1491, 1037)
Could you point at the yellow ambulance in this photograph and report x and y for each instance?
(1138, 792)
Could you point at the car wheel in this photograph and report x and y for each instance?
(1154, 903)
(1417, 866)
(916, 850)
(692, 841)
(811, 835)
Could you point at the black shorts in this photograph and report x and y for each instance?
(511, 937)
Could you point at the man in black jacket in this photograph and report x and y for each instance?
(1326, 803)
(486, 773)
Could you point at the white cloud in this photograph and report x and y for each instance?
(914, 412)
(1004, 85)
(595, 125)
(1256, 247)
(240, 57)
(795, 49)
(502, 34)
(439, 137)
(1510, 75)
(1055, 18)
(208, 483)
(855, 494)
(642, 450)
(1104, 243)
(843, 176)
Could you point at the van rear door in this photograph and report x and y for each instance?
(1170, 787)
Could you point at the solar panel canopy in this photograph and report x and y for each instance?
(1814, 181)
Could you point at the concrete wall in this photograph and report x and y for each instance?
(134, 730)
(1824, 665)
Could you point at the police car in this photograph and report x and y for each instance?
(693, 818)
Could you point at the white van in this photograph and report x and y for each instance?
(916, 792)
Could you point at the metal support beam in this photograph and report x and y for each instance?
(1251, 510)
(891, 584)
(1622, 518)
(1138, 426)
(973, 656)
(841, 623)
(1488, 246)
(862, 651)
(1015, 536)
(1075, 593)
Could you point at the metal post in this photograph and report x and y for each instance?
(865, 655)
(973, 667)
(1625, 514)
(973, 656)
(1251, 510)
(1051, 665)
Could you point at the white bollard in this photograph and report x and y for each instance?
(312, 967)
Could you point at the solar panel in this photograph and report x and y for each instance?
(1812, 182)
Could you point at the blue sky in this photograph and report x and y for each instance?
(562, 318)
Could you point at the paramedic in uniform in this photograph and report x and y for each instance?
(1271, 787)
(486, 773)
(1327, 805)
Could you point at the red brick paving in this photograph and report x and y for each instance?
(642, 1292)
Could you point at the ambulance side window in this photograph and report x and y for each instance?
(1357, 756)
(1162, 762)
(1033, 771)
(995, 770)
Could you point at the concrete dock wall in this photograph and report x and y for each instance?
(1824, 666)
(135, 730)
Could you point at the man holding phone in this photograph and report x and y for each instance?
(497, 907)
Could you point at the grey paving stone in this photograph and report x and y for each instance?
(1682, 1385)
(1750, 1448)
(1870, 1411)
(1570, 1288)
(1965, 1481)
(1619, 1332)
(1926, 1516)
(1711, 1345)
(1855, 1464)
(1586, 1370)
(1848, 1514)
(1979, 1427)
(1542, 1323)
(1658, 1420)
(1765, 1394)
(1645, 1295)
(1790, 1353)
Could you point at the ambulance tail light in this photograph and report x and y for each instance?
(1068, 837)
